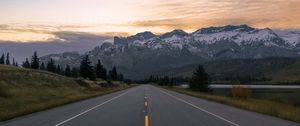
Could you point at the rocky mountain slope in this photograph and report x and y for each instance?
(145, 53)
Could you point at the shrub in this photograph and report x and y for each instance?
(240, 92)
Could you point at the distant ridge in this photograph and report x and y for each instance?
(146, 53)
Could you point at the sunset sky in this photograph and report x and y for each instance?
(37, 20)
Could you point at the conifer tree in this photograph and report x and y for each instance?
(100, 71)
(199, 80)
(26, 64)
(2, 59)
(74, 72)
(35, 61)
(14, 62)
(86, 69)
(68, 71)
(42, 67)
(51, 66)
(7, 59)
(58, 69)
(113, 74)
(120, 77)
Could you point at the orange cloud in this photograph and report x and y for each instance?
(192, 14)
(126, 17)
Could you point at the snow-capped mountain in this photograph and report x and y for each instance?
(240, 35)
(292, 38)
(146, 53)
(242, 41)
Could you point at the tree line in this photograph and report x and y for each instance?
(86, 69)
(5, 59)
(166, 80)
(198, 82)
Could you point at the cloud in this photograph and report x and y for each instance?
(3, 26)
(189, 25)
(192, 14)
(68, 42)
(45, 33)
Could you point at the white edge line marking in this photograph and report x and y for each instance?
(201, 109)
(91, 109)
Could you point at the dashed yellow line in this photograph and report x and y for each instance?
(146, 107)
(146, 120)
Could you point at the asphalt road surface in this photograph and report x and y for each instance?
(146, 105)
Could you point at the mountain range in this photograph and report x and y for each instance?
(145, 53)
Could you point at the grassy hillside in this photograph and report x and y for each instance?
(24, 91)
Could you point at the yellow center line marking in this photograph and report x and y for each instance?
(146, 121)
(146, 106)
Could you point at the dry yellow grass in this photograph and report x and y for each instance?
(23, 91)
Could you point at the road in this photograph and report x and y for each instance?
(146, 105)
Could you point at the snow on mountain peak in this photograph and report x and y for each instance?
(242, 35)
(292, 38)
(228, 28)
(176, 32)
(145, 35)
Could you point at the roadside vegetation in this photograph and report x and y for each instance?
(23, 91)
(281, 71)
(239, 97)
(281, 110)
(36, 86)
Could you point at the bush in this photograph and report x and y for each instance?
(240, 92)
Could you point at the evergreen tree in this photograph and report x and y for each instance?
(104, 74)
(120, 77)
(68, 71)
(113, 74)
(199, 80)
(35, 61)
(100, 71)
(151, 79)
(17, 65)
(58, 69)
(14, 62)
(166, 80)
(86, 69)
(51, 66)
(2, 59)
(7, 59)
(74, 72)
(42, 67)
(26, 64)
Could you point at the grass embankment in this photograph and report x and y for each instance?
(24, 91)
(284, 111)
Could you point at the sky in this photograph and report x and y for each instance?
(39, 20)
